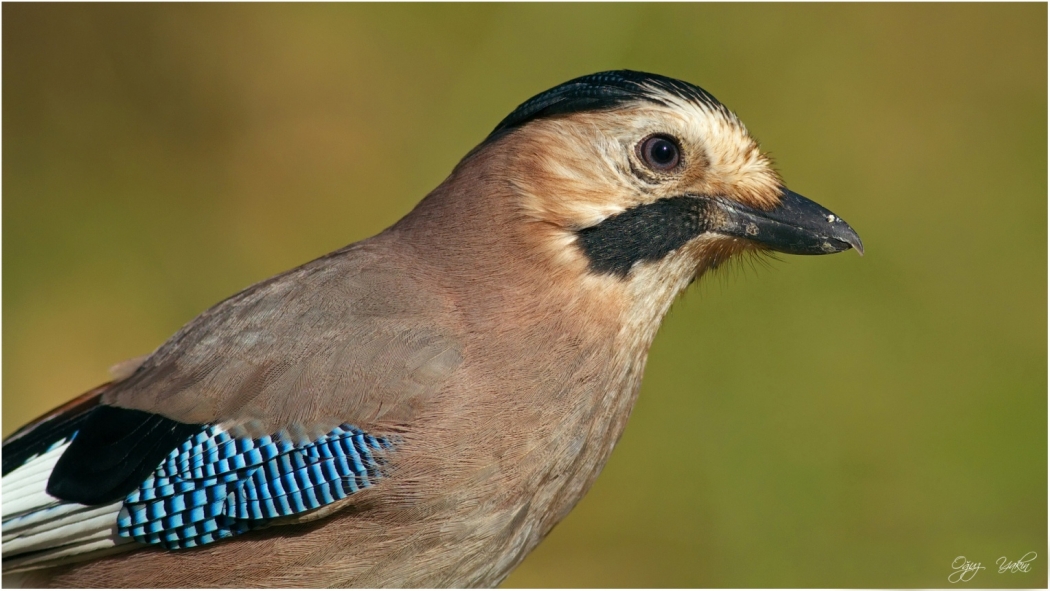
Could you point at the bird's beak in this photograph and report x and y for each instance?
(795, 226)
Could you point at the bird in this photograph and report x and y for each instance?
(420, 408)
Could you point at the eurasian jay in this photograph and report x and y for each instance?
(420, 408)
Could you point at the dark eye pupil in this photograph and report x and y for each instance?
(663, 152)
(660, 153)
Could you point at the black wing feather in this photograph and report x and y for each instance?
(39, 435)
(114, 451)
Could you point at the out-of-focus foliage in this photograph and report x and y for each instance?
(826, 421)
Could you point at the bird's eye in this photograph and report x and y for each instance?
(659, 152)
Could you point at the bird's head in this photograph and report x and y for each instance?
(644, 181)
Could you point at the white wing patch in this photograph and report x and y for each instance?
(40, 530)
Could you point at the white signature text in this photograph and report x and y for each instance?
(964, 570)
(1018, 566)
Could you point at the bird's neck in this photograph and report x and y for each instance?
(507, 273)
(570, 345)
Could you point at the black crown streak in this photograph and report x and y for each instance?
(643, 233)
(604, 90)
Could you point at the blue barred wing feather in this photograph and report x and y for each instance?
(214, 486)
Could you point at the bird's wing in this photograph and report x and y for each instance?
(280, 401)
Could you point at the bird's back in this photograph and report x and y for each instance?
(490, 434)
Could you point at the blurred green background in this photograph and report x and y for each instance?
(827, 421)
